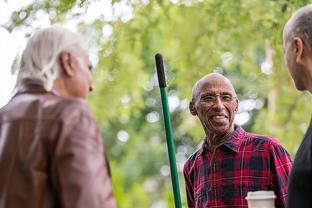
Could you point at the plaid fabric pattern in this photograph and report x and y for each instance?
(245, 162)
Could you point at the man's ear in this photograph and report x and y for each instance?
(192, 108)
(66, 63)
(236, 105)
(298, 47)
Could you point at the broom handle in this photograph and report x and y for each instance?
(168, 128)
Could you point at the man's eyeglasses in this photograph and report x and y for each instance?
(213, 98)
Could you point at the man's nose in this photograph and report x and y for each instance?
(91, 85)
(218, 105)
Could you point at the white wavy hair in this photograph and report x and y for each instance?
(40, 57)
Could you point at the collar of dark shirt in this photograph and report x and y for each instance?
(233, 141)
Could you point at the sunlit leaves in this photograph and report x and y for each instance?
(241, 39)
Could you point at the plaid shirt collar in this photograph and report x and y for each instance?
(233, 142)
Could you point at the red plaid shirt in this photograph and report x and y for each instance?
(244, 162)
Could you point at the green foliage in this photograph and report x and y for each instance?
(195, 38)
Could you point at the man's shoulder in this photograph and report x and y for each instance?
(70, 106)
(74, 103)
(193, 158)
(259, 139)
(194, 155)
(70, 113)
(49, 106)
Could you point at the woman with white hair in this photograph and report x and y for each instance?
(51, 152)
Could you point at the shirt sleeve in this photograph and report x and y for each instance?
(189, 187)
(80, 168)
(281, 164)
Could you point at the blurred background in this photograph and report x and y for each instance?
(241, 39)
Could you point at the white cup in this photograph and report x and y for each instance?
(261, 199)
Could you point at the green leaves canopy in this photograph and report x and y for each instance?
(241, 39)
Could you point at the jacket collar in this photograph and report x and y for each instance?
(32, 86)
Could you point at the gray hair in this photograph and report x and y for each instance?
(40, 57)
(300, 25)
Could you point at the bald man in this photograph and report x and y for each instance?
(230, 161)
(297, 43)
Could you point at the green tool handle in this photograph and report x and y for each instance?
(168, 128)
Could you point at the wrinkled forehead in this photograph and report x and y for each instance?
(213, 84)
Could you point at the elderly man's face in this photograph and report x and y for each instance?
(290, 49)
(215, 104)
(81, 82)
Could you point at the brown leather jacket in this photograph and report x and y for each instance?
(51, 153)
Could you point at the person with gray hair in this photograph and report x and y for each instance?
(297, 45)
(51, 151)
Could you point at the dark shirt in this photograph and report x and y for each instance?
(300, 182)
(244, 162)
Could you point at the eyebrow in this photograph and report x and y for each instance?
(212, 93)
(206, 94)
